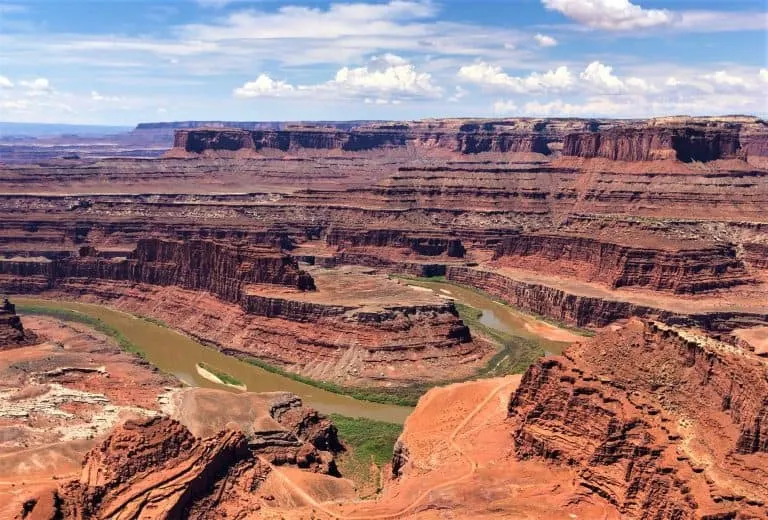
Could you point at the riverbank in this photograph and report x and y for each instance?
(161, 347)
(522, 322)
(515, 351)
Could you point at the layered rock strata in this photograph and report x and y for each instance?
(688, 270)
(12, 333)
(156, 468)
(658, 422)
(684, 139)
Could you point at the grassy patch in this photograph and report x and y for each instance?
(370, 443)
(78, 317)
(154, 321)
(404, 396)
(515, 354)
(225, 378)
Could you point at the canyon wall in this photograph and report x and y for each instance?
(651, 419)
(687, 270)
(684, 139)
(12, 333)
(222, 269)
(591, 311)
(157, 468)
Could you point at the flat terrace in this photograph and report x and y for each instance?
(753, 298)
(352, 286)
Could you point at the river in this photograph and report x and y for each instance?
(177, 354)
(551, 338)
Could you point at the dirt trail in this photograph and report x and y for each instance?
(401, 511)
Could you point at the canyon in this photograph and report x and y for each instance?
(293, 245)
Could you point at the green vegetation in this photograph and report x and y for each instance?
(369, 443)
(405, 396)
(79, 317)
(515, 354)
(223, 376)
(154, 321)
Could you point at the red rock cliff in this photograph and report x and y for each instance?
(660, 423)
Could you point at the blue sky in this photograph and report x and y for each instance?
(125, 61)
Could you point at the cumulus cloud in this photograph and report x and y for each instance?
(482, 73)
(505, 107)
(601, 76)
(611, 15)
(5, 82)
(596, 76)
(545, 41)
(385, 79)
(264, 86)
(95, 96)
(722, 77)
(764, 75)
(39, 85)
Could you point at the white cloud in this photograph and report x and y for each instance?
(505, 107)
(95, 96)
(721, 77)
(484, 74)
(601, 77)
(5, 82)
(37, 85)
(611, 15)
(386, 75)
(764, 75)
(545, 41)
(385, 79)
(264, 86)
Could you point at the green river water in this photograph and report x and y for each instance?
(177, 354)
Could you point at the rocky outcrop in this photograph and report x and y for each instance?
(12, 333)
(420, 245)
(156, 468)
(683, 270)
(756, 255)
(589, 311)
(219, 268)
(634, 411)
(684, 139)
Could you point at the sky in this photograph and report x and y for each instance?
(121, 62)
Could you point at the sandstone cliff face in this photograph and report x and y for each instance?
(680, 270)
(420, 245)
(12, 333)
(155, 468)
(219, 268)
(687, 140)
(658, 422)
(588, 311)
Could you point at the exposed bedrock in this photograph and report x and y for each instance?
(659, 422)
(684, 139)
(591, 311)
(222, 269)
(421, 244)
(156, 468)
(756, 255)
(646, 144)
(12, 333)
(691, 270)
(349, 344)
